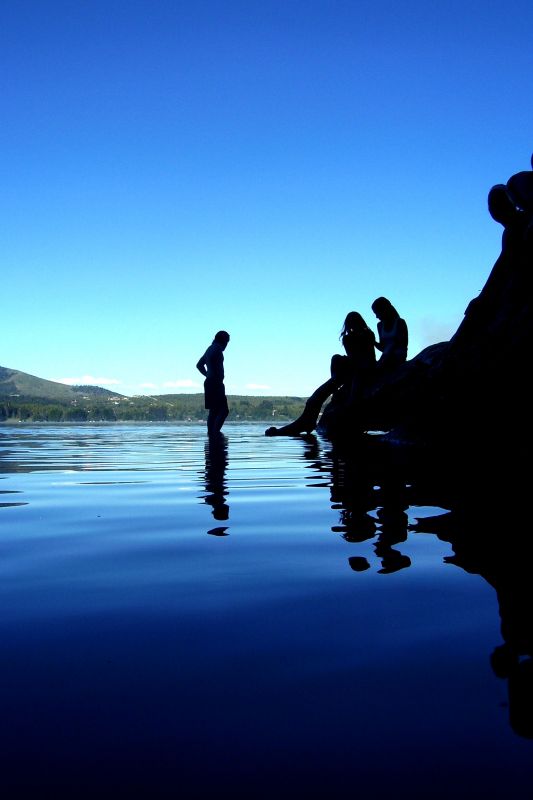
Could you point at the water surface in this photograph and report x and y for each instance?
(255, 615)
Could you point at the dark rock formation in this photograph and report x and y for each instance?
(468, 396)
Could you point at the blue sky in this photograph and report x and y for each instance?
(173, 168)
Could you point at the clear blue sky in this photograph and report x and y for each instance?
(173, 168)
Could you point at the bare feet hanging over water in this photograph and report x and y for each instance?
(292, 429)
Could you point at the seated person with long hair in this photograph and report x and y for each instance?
(393, 335)
(349, 372)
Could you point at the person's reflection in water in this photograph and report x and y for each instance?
(318, 469)
(394, 523)
(216, 461)
(352, 493)
(355, 494)
(358, 563)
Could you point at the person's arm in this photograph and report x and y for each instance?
(346, 344)
(200, 366)
(377, 344)
(402, 333)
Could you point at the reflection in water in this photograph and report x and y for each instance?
(371, 502)
(483, 547)
(394, 523)
(358, 563)
(362, 486)
(374, 504)
(216, 461)
(96, 448)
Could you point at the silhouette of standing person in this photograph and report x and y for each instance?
(393, 335)
(211, 365)
(349, 372)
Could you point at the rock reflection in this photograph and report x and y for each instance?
(216, 461)
(373, 496)
(482, 546)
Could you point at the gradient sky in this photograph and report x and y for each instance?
(173, 168)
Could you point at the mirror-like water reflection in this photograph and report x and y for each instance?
(255, 615)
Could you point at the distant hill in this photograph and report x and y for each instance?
(14, 383)
(25, 397)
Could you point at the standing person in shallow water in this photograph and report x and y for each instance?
(211, 365)
(350, 372)
(393, 335)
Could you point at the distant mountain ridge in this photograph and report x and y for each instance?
(14, 383)
(26, 398)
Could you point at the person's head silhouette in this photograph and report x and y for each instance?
(354, 322)
(384, 310)
(222, 338)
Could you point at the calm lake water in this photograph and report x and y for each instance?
(260, 616)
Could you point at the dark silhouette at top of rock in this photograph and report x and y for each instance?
(520, 187)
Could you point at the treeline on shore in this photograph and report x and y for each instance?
(162, 408)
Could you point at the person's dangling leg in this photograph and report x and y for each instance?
(307, 420)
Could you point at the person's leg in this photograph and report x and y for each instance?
(211, 421)
(307, 420)
(210, 405)
(339, 368)
(219, 417)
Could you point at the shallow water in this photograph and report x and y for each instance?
(256, 615)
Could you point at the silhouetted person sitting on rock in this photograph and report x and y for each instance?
(350, 372)
(211, 365)
(393, 335)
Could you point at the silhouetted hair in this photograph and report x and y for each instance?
(384, 307)
(222, 337)
(353, 322)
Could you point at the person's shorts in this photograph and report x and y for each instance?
(215, 394)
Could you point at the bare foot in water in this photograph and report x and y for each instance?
(292, 429)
